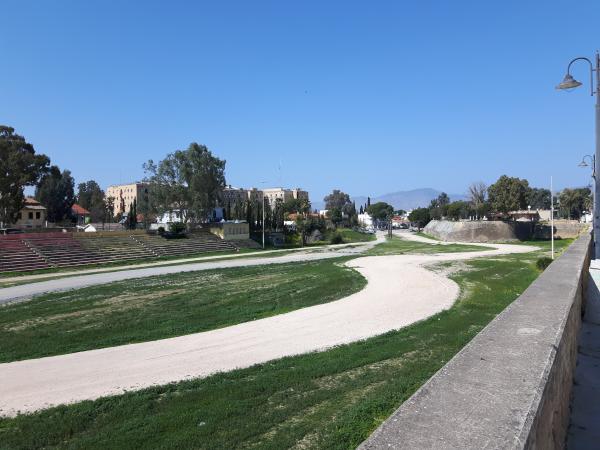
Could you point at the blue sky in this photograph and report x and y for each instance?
(367, 97)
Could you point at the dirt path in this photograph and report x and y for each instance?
(400, 291)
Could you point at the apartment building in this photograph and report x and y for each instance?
(125, 194)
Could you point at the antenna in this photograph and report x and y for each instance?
(280, 178)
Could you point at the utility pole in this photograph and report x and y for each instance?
(552, 215)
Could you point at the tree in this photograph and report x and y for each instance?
(132, 216)
(91, 197)
(477, 197)
(295, 205)
(189, 180)
(337, 199)
(56, 191)
(420, 216)
(458, 210)
(538, 198)
(443, 200)
(20, 167)
(438, 206)
(381, 211)
(335, 214)
(109, 208)
(573, 202)
(508, 194)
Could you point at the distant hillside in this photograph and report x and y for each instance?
(407, 200)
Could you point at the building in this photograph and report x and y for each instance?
(233, 196)
(231, 230)
(280, 194)
(365, 220)
(254, 195)
(125, 194)
(81, 215)
(32, 215)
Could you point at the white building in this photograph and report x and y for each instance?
(365, 220)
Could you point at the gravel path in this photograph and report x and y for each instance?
(400, 291)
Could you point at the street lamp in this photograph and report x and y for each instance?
(583, 163)
(569, 83)
(592, 163)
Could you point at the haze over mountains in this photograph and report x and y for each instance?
(406, 200)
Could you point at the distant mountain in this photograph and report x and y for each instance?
(407, 200)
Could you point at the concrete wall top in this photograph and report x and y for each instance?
(491, 393)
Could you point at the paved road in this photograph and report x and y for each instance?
(26, 291)
(400, 291)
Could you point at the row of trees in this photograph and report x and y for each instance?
(505, 195)
(22, 167)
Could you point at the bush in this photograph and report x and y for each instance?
(543, 262)
(337, 239)
(177, 228)
(161, 230)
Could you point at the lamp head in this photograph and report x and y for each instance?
(583, 163)
(568, 83)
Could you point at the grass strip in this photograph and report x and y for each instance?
(397, 246)
(150, 308)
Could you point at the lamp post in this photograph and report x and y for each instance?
(583, 163)
(569, 83)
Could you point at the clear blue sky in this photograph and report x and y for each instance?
(368, 97)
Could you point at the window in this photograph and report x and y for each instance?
(31, 215)
(37, 215)
(20, 216)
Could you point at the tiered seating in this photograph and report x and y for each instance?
(15, 256)
(117, 248)
(195, 243)
(62, 250)
(44, 250)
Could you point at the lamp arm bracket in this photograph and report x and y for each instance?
(583, 58)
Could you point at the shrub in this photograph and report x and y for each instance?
(177, 227)
(337, 239)
(543, 262)
(161, 230)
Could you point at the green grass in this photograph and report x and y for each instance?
(425, 235)
(332, 399)
(152, 308)
(398, 246)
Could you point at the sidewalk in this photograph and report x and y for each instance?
(584, 432)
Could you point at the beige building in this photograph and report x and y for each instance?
(283, 195)
(232, 195)
(125, 194)
(231, 231)
(33, 215)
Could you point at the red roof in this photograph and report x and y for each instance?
(79, 210)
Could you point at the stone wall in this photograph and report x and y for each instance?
(563, 229)
(479, 231)
(510, 386)
(495, 231)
